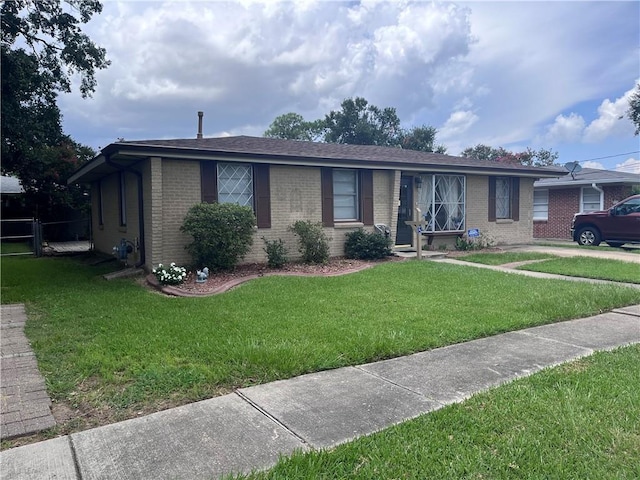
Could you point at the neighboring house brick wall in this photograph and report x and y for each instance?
(615, 194)
(564, 203)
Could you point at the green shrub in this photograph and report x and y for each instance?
(477, 243)
(313, 243)
(276, 252)
(363, 245)
(222, 234)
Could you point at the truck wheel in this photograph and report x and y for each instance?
(589, 236)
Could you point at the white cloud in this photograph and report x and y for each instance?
(612, 120)
(630, 165)
(565, 129)
(592, 164)
(244, 63)
(457, 123)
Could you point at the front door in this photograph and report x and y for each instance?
(404, 234)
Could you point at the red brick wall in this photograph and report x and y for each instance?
(563, 203)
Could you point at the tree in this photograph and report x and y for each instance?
(42, 46)
(530, 157)
(421, 138)
(359, 123)
(634, 109)
(293, 126)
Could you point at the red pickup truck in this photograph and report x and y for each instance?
(616, 226)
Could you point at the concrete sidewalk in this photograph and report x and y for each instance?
(252, 427)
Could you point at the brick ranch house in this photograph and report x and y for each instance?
(556, 200)
(141, 191)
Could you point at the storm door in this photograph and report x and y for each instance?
(405, 211)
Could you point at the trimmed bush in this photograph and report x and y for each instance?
(363, 245)
(222, 234)
(313, 242)
(276, 252)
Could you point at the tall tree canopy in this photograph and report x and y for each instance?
(634, 108)
(293, 126)
(530, 157)
(356, 123)
(359, 123)
(42, 46)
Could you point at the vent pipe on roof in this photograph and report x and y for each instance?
(200, 115)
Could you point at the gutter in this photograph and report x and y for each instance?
(138, 175)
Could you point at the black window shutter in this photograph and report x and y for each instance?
(326, 186)
(492, 199)
(208, 181)
(515, 199)
(262, 194)
(366, 192)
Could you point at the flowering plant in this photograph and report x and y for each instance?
(171, 275)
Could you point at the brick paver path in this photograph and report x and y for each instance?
(24, 403)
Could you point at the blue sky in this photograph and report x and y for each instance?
(554, 75)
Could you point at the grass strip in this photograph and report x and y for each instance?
(504, 257)
(579, 420)
(598, 268)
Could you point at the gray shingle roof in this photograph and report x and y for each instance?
(587, 176)
(273, 147)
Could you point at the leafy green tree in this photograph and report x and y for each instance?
(356, 123)
(634, 109)
(530, 157)
(42, 46)
(421, 138)
(293, 126)
(359, 123)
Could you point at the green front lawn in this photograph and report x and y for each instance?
(116, 346)
(576, 421)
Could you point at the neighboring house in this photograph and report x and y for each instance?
(556, 200)
(12, 195)
(141, 191)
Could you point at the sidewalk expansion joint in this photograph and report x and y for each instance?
(74, 457)
(588, 350)
(404, 387)
(17, 355)
(272, 418)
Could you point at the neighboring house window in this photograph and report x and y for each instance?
(347, 196)
(122, 199)
(235, 184)
(591, 200)
(441, 199)
(504, 198)
(100, 204)
(541, 204)
(241, 183)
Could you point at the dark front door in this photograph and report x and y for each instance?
(404, 235)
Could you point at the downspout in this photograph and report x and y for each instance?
(598, 189)
(138, 175)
